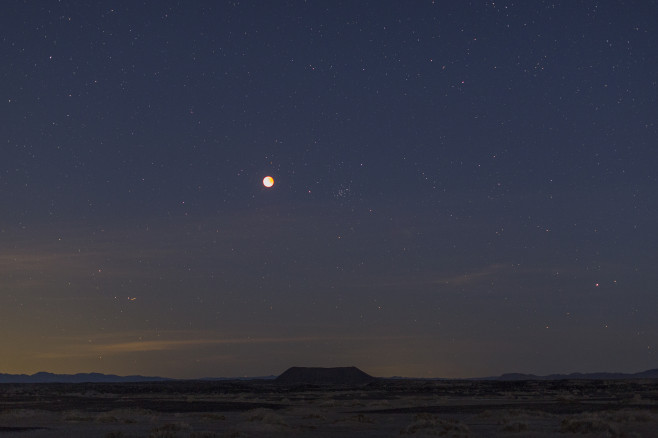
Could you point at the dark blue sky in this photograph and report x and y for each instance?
(461, 188)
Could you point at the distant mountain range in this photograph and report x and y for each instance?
(649, 374)
(44, 377)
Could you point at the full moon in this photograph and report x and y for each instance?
(268, 181)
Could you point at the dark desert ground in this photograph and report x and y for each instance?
(381, 407)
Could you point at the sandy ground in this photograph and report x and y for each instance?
(381, 409)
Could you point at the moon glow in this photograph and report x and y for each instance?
(268, 181)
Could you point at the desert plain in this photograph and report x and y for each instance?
(381, 408)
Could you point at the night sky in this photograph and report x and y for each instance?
(462, 188)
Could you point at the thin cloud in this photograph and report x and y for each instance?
(475, 276)
(114, 348)
(468, 277)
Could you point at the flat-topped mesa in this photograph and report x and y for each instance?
(324, 376)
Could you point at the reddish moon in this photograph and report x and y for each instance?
(268, 181)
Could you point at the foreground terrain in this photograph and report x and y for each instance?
(414, 408)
